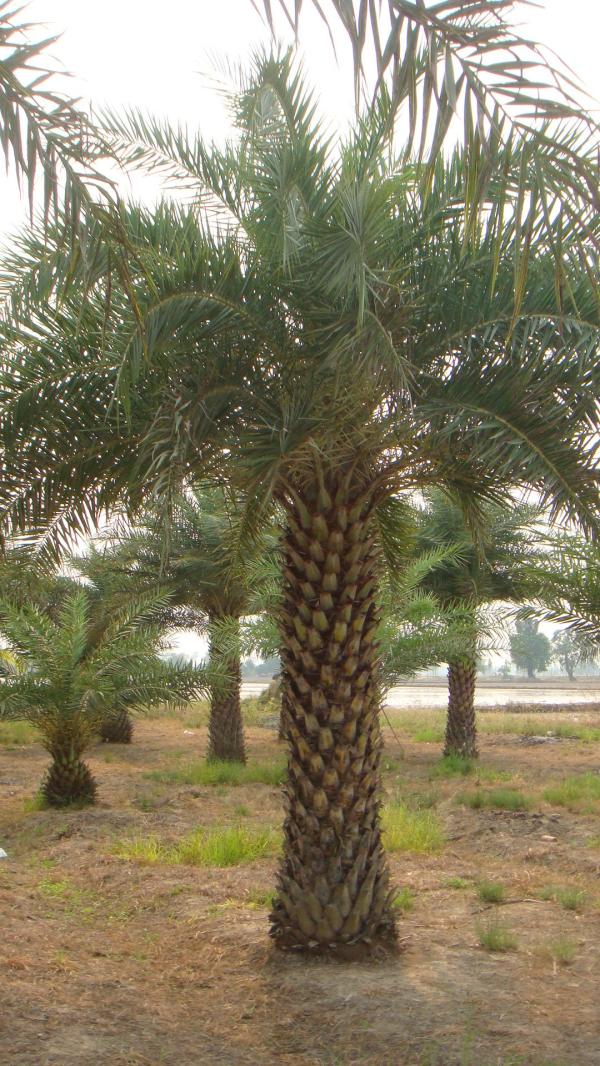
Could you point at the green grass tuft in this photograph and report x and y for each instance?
(404, 900)
(505, 799)
(221, 847)
(496, 937)
(410, 830)
(578, 793)
(491, 892)
(258, 898)
(221, 773)
(457, 883)
(572, 899)
(561, 950)
(453, 766)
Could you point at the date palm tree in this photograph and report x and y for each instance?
(340, 333)
(72, 679)
(494, 567)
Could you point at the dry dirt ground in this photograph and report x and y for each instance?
(106, 961)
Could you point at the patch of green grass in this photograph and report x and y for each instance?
(17, 734)
(490, 777)
(55, 889)
(578, 793)
(148, 799)
(409, 830)
(457, 883)
(425, 727)
(491, 892)
(561, 950)
(35, 803)
(506, 722)
(593, 842)
(429, 735)
(404, 900)
(241, 810)
(220, 847)
(504, 799)
(572, 899)
(257, 898)
(221, 773)
(496, 937)
(453, 766)
(585, 733)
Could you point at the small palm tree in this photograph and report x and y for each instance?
(495, 567)
(211, 583)
(72, 680)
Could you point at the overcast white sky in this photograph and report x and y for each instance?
(152, 54)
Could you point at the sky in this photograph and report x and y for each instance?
(160, 57)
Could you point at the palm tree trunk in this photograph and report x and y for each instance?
(68, 779)
(333, 883)
(117, 728)
(225, 726)
(461, 726)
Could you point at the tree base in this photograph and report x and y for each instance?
(118, 729)
(65, 785)
(382, 945)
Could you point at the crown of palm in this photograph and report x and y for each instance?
(344, 310)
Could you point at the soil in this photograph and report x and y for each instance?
(108, 962)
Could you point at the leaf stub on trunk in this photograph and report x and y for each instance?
(461, 726)
(333, 885)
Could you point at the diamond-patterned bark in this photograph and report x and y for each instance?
(461, 727)
(225, 725)
(117, 729)
(333, 881)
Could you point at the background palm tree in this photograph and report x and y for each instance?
(73, 679)
(212, 585)
(351, 333)
(494, 567)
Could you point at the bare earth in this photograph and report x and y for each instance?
(108, 962)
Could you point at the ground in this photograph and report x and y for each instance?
(114, 953)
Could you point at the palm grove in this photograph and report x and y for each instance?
(337, 325)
